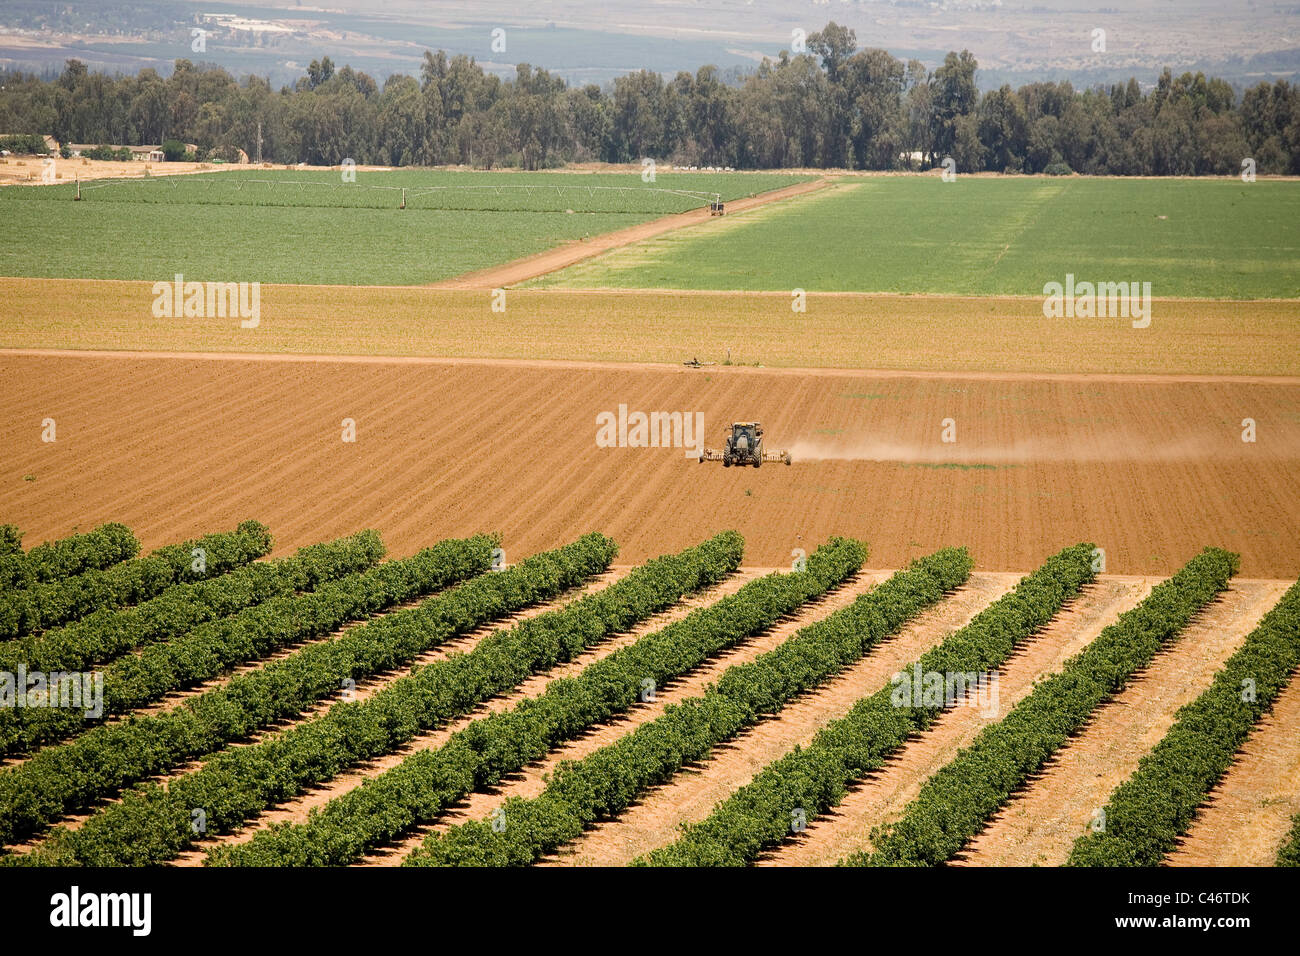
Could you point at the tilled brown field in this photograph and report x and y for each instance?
(1149, 469)
(839, 330)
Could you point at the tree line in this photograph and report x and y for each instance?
(832, 105)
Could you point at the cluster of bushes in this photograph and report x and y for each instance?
(606, 782)
(815, 778)
(174, 151)
(107, 545)
(24, 145)
(106, 634)
(957, 802)
(103, 760)
(120, 153)
(424, 784)
(1147, 813)
(203, 653)
(154, 825)
(1289, 855)
(50, 603)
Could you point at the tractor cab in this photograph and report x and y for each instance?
(745, 440)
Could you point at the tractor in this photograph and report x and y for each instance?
(744, 447)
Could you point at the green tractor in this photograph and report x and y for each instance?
(744, 447)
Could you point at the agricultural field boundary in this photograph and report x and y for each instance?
(849, 330)
(563, 364)
(552, 260)
(983, 237)
(1150, 471)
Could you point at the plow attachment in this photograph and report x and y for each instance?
(719, 454)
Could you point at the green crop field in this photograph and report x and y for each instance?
(311, 227)
(983, 236)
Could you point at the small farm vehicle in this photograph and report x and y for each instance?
(744, 447)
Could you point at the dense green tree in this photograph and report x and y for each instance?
(1004, 130)
(955, 96)
(876, 82)
(835, 46)
(640, 116)
(834, 106)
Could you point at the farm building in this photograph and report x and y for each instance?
(151, 154)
